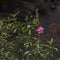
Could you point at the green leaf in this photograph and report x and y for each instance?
(14, 15)
(51, 41)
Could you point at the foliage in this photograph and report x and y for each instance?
(19, 40)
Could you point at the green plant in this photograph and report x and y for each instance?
(19, 40)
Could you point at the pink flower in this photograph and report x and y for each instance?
(40, 30)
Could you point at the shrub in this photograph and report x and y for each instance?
(19, 40)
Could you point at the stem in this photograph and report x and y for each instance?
(27, 57)
(39, 38)
(37, 15)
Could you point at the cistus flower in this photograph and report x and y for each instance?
(40, 30)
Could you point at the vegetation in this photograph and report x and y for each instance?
(21, 41)
(20, 32)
